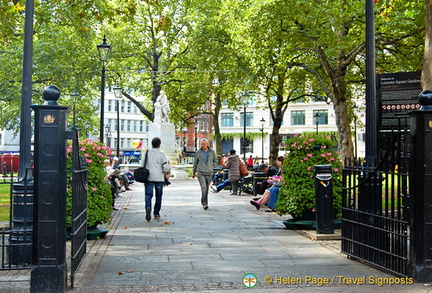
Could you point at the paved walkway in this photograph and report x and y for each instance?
(190, 249)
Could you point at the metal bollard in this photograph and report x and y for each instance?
(324, 199)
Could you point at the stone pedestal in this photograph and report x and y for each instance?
(166, 132)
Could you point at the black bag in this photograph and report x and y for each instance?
(142, 173)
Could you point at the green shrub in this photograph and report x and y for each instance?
(99, 199)
(297, 195)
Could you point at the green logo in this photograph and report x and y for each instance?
(249, 280)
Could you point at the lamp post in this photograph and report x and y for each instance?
(108, 134)
(118, 94)
(196, 134)
(184, 139)
(355, 130)
(104, 51)
(262, 121)
(245, 103)
(317, 117)
(74, 97)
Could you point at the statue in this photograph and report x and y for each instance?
(162, 109)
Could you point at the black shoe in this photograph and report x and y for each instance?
(232, 193)
(256, 198)
(148, 214)
(205, 207)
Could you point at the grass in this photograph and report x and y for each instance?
(4, 202)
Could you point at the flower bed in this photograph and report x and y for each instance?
(297, 195)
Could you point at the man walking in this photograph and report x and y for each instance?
(205, 161)
(158, 167)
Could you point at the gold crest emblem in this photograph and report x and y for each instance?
(430, 124)
(49, 119)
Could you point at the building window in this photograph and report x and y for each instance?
(323, 117)
(122, 125)
(129, 106)
(227, 119)
(141, 127)
(249, 119)
(128, 125)
(110, 105)
(297, 117)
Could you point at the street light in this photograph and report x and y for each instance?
(104, 51)
(245, 100)
(262, 121)
(108, 134)
(317, 118)
(74, 97)
(355, 130)
(118, 94)
(196, 133)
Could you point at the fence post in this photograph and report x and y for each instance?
(420, 186)
(49, 214)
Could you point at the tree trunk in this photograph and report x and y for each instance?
(218, 137)
(426, 77)
(345, 143)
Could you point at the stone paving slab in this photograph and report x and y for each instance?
(196, 250)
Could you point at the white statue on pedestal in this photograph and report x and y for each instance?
(162, 109)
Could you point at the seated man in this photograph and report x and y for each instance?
(269, 171)
(121, 176)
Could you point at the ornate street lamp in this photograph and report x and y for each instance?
(108, 134)
(317, 120)
(74, 97)
(245, 101)
(118, 94)
(262, 121)
(104, 51)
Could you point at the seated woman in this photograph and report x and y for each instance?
(270, 195)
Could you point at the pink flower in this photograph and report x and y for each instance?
(313, 210)
(300, 147)
(323, 146)
(305, 158)
(336, 169)
(89, 160)
(98, 148)
(294, 144)
(329, 154)
(83, 149)
(311, 139)
(86, 155)
(309, 155)
(94, 188)
(308, 168)
(323, 155)
(332, 159)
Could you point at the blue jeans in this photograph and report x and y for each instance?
(158, 186)
(274, 195)
(222, 185)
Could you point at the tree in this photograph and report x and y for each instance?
(328, 42)
(427, 57)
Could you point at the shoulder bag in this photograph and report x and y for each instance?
(243, 169)
(142, 173)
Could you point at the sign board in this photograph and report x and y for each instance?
(397, 95)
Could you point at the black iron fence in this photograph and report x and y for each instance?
(79, 208)
(375, 206)
(16, 231)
